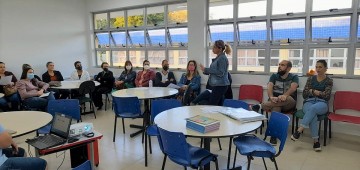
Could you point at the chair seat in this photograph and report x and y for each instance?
(344, 118)
(84, 100)
(129, 115)
(152, 130)
(300, 114)
(197, 155)
(252, 145)
(44, 130)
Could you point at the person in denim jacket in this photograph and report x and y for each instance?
(189, 83)
(218, 72)
(317, 92)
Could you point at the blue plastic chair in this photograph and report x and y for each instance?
(182, 153)
(68, 107)
(158, 106)
(126, 107)
(84, 166)
(252, 146)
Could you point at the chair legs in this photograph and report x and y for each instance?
(122, 119)
(276, 167)
(329, 128)
(263, 159)
(164, 161)
(249, 162)
(202, 141)
(115, 128)
(229, 153)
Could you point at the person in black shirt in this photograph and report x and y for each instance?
(164, 77)
(106, 79)
(53, 77)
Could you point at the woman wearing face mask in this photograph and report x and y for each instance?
(127, 77)
(13, 98)
(218, 72)
(143, 77)
(106, 79)
(30, 90)
(189, 83)
(79, 73)
(164, 77)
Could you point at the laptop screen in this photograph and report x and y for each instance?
(61, 125)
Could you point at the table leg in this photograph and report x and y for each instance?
(207, 147)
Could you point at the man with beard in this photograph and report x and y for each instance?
(281, 91)
(164, 77)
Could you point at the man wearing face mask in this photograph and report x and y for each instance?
(164, 77)
(281, 91)
(106, 79)
(79, 73)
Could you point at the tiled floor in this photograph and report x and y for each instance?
(342, 151)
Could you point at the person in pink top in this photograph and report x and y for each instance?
(32, 90)
(143, 77)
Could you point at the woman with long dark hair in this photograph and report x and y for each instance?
(127, 77)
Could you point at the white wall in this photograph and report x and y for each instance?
(37, 31)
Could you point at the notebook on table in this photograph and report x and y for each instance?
(58, 135)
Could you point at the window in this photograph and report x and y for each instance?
(221, 9)
(102, 56)
(292, 6)
(118, 58)
(137, 38)
(358, 29)
(252, 8)
(117, 19)
(135, 18)
(177, 14)
(331, 29)
(293, 55)
(155, 58)
(222, 32)
(178, 58)
(137, 58)
(157, 37)
(287, 31)
(100, 21)
(102, 40)
(178, 36)
(212, 56)
(118, 39)
(253, 32)
(155, 16)
(251, 60)
(357, 62)
(319, 5)
(335, 58)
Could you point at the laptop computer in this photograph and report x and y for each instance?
(58, 135)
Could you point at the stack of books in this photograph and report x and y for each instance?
(243, 115)
(202, 124)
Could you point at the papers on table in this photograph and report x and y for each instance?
(242, 115)
(174, 86)
(45, 94)
(5, 80)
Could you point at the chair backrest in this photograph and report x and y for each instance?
(160, 105)
(346, 100)
(87, 87)
(65, 106)
(84, 166)
(129, 105)
(175, 145)
(278, 127)
(249, 91)
(236, 104)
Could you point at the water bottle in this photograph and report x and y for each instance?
(150, 83)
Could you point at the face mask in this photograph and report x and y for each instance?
(191, 68)
(146, 67)
(166, 68)
(106, 69)
(79, 68)
(281, 72)
(30, 75)
(128, 67)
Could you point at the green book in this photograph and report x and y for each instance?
(202, 120)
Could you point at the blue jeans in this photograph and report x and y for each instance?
(24, 163)
(14, 99)
(312, 108)
(39, 103)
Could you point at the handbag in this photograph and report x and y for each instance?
(9, 90)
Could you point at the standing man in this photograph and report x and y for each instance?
(106, 79)
(281, 91)
(164, 77)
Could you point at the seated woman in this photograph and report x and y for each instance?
(127, 77)
(53, 77)
(106, 79)
(317, 92)
(189, 83)
(13, 98)
(143, 77)
(24, 66)
(30, 90)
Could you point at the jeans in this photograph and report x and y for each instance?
(312, 108)
(202, 98)
(23, 163)
(14, 99)
(39, 103)
(217, 95)
(280, 106)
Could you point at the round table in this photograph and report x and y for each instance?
(2, 95)
(24, 122)
(146, 92)
(73, 84)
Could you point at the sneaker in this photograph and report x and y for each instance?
(256, 108)
(295, 136)
(317, 146)
(273, 141)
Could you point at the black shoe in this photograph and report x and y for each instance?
(317, 146)
(295, 136)
(273, 141)
(100, 107)
(256, 107)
